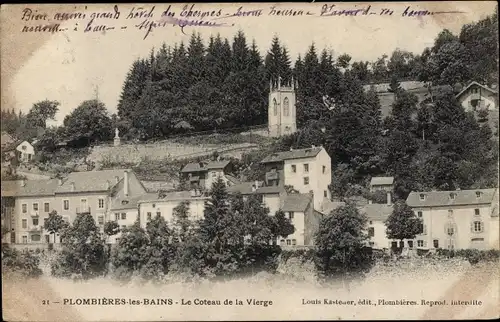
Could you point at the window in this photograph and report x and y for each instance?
(282, 242)
(419, 214)
(476, 212)
(148, 216)
(275, 107)
(478, 194)
(24, 208)
(294, 242)
(452, 196)
(324, 169)
(410, 244)
(117, 216)
(45, 221)
(35, 238)
(158, 213)
(306, 168)
(46, 207)
(371, 232)
(450, 230)
(306, 180)
(100, 220)
(25, 223)
(478, 226)
(25, 239)
(422, 196)
(286, 107)
(66, 204)
(325, 194)
(294, 168)
(124, 216)
(47, 238)
(450, 213)
(422, 229)
(290, 215)
(288, 242)
(420, 243)
(371, 222)
(101, 203)
(35, 206)
(35, 221)
(436, 243)
(214, 174)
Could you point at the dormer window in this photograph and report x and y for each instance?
(422, 196)
(478, 194)
(452, 196)
(124, 202)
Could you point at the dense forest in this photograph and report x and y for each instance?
(224, 85)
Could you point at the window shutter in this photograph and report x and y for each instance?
(482, 226)
(472, 227)
(425, 243)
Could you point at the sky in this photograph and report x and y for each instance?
(69, 66)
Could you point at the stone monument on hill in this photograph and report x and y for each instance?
(117, 137)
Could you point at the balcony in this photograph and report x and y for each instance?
(82, 210)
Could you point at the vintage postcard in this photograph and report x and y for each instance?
(251, 161)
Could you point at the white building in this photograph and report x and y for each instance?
(476, 97)
(305, 170)
(457, 219)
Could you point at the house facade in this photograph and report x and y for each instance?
(202, 175)
(91, 192)
(476, 97)
(304, 170)
(464, 219)
(25, 151)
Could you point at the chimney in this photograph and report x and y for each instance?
(117, 179)
(389, 198)
(59, 182)
(108, 185)
(256, 184)
(72, 184)
(23, 182)
(125, 183)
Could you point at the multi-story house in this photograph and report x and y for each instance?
(457, 219)
(26, 205)
(164, 206)
(305, 170)
(202, 175)
(91, 192)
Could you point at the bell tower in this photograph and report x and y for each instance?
(281, 110)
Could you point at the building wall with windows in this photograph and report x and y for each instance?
(149, 209)
(456, 219)
(310, 174)
(30, 213)
(25, 151)
(297, 219)
(477, 97)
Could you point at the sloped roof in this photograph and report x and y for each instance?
(245, 188)
(382, 181)
(474, 83)
(442, 198)
(132, 203)
(232, 179)
(377, 212)
(91, 181)
(15, 188)
(295, 202)
(327, 206)
(195, 166)
(293, 154)
(169, 196)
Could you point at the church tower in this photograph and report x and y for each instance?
(281, 111)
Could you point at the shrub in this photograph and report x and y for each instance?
(24, 262)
